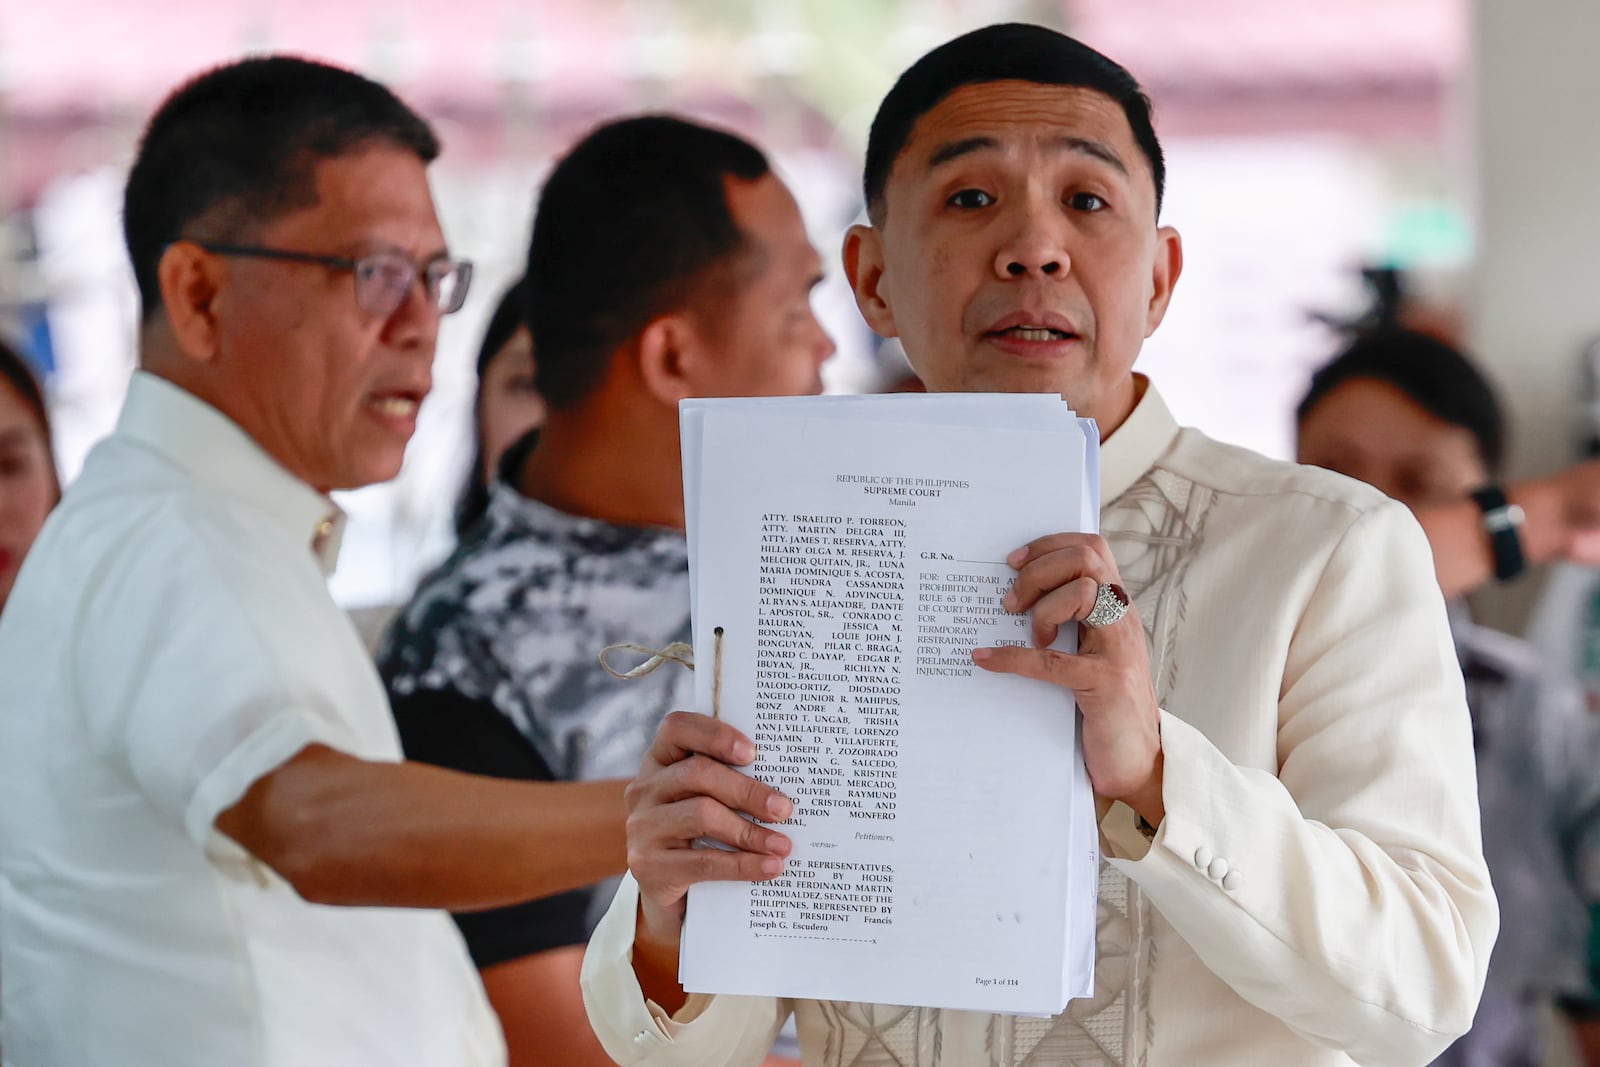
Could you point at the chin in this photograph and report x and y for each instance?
(1017, 380)
(371, 471)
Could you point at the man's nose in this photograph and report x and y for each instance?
(416, 321)
(1036, 247)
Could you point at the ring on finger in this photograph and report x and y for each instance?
(1111, 603)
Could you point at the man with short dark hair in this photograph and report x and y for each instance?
(1412, 416)
(1275, 729)
(667, 261)
(196, 755)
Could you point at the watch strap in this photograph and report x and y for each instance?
(1502, 521)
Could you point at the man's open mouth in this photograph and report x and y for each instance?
(1034, 333)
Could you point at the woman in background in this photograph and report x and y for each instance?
(29, 486)
(507, 404)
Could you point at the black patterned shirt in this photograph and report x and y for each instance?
(493, 668)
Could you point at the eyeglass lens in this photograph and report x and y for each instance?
(383, 282)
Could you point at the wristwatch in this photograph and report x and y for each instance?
(1502, 521)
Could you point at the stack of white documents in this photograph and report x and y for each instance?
(847, 554)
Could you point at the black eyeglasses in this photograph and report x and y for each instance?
(383, 279)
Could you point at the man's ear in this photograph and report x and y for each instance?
(669, 356)
(863, 265)
(190, 281)
(1168, 265)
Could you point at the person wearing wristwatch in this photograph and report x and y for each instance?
(1412, 416)
(1476, 539)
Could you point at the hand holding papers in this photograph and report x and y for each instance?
(847, 555)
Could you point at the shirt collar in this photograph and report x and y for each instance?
(1136, 445)
(218, 454)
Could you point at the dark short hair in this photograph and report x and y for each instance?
(238, 146)
(15, 372)
(503, 324)
(1436, 377)
(631, 224)
(1011, 51)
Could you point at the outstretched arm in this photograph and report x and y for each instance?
(343, 830)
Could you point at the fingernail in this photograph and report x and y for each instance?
(744, 751)
(780, 807)
(979, 655)
(1016, 558)
(1009, 601)
(772, 865)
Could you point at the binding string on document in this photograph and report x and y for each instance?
(676, 652)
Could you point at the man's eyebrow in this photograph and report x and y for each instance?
(1095, 149)
(956, 149)
(366, 246)
(1082, 145)
(16, 437)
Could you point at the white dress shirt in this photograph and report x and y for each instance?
(1316, 894)
(169, 641)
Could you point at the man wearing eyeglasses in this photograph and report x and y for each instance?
(196, 755)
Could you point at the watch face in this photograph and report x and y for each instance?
(1501, 519)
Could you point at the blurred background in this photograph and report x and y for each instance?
(1449, 138)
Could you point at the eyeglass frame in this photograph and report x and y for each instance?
(462, 268)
